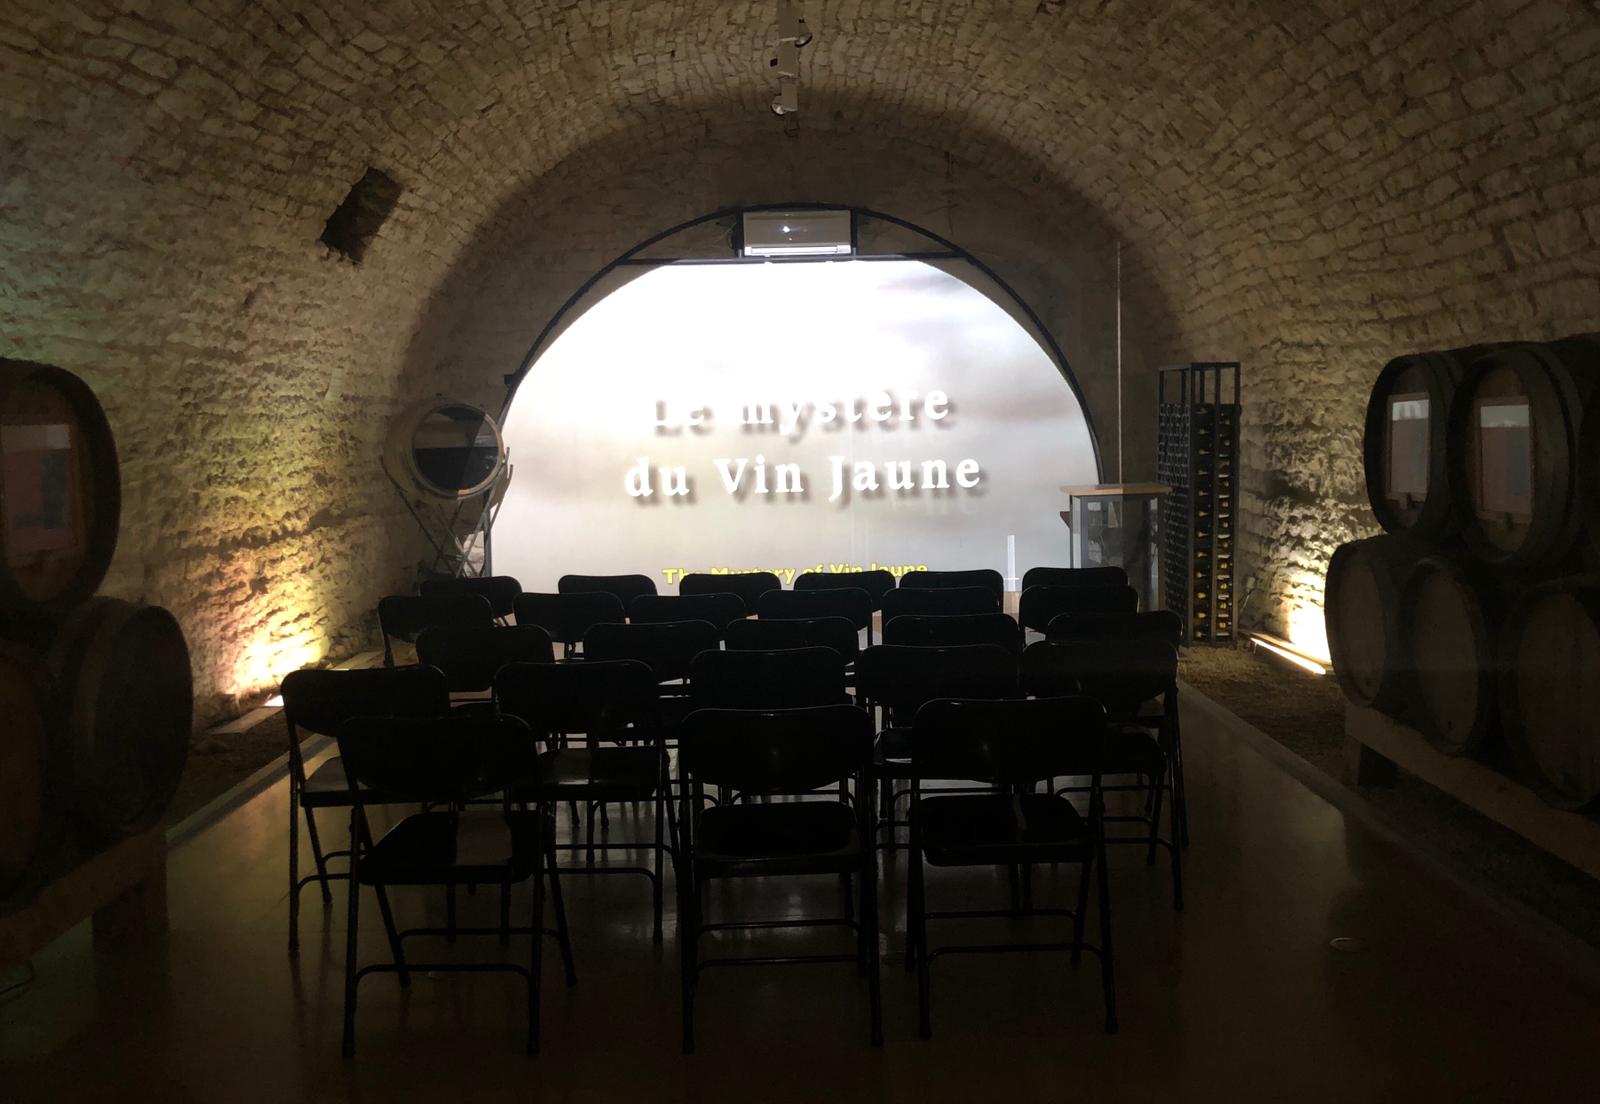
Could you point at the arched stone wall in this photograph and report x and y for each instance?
(1310, 188)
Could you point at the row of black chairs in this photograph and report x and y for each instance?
(582, 602)
(538, 693)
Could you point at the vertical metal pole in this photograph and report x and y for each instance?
(1119, 360)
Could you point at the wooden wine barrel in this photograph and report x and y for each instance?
(441, 448)
(127, 694)
(1514, 441)
(33, 794)
(1362, 607)
(1550, 692)
(1451, 615)
(60, 495)
(1405, 444)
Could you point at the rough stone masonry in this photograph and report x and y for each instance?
(1310, 188)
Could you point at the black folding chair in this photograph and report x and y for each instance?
(937, 602)
(1150, 624)
(762, 752)
(320, 702)
(1040, 605)
(720, 610)
(1107, 575)
(984, 578)
(1123, 675)
(1014, 745)
(448, 762)
(789, 678)
(748, 585)
(469, 655)
(567, 617)
(625, 587)
(876, 583)
(947, 630)
(851, 603)
(404, 616)
(838, 633)
(898, 680)
(668, 648)
(501, 590)
(604, 701)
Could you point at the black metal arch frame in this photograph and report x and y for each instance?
(946, 251)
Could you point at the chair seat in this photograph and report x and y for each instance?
(615, 773)
(787, 837)
(482, 846)
(984, 829)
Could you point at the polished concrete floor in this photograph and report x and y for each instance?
(1240, 997)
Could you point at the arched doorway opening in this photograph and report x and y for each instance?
(892, 407)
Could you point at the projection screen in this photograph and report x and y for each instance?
(789, 417)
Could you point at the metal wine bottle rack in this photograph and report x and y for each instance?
(1197, 455)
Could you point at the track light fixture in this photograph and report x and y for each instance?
(793, 36)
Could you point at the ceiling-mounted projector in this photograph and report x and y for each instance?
(797, 234)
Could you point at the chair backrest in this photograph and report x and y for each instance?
(1017, 741)
(761, 751)
(321, 701)
(597, 698)
(501, 590)
(903, 678)
(625, 587)
(937, 601)
(1120, 674)
(1106, 575)
(442, 760)
(790, 678)
(984, 577)
(801, 632)
(851, 603)
(669, 647)
(876, 583)
(944, 630)
(404, 616)
(566, 617)
(469, 655)
(748, 585)
(1040, 605)
(719, 609)
(1151, 624)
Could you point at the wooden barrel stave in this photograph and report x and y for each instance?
(33, 795)
(1514, 438)
(1451, 615)
(127, 697)
(1362, 605)
(59, 489)
(1411, 493)
(1550, 692)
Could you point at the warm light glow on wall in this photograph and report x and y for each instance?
(267, 658)
(1307, 630)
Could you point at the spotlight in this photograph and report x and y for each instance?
(803, 39)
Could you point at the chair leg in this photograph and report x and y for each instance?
(1180, 792)
(589, 833)
(392, 932)
(450, 912)
(1082, 915)
(1177, 848)
(1158, 784)
(505, 914)
(294, 869)
(655, 887)
(351, 933)
(869, 929)
(536, 959)
(316, 854)
(1106, 979)
(688, 939)
(917, 923)
(563, 936)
